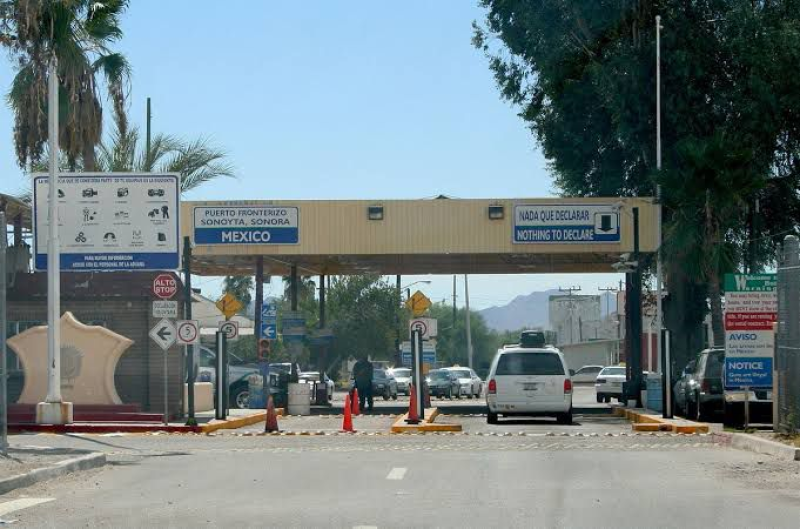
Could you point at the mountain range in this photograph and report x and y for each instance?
(529, 311)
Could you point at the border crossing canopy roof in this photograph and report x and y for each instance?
(439, 236)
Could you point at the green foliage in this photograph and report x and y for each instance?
(79, 33)
(583, 76)
(240, 287)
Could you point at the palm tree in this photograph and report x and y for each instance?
(78, 33)
(196, 161)
(712, 187)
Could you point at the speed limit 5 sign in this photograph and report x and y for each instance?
(188, 332)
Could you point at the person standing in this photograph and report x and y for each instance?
(362, 373)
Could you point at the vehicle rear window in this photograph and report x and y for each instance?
(438, 375)
(402, 372)
(609, 371)
(714, 365)
(529, 364)
(461, 373)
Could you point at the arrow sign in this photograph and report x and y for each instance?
(163, 334)
(269, 331)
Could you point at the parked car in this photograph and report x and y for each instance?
(470, 384)
(529, 381)
(699, 393)
(238, 371)
(585, 374)
(403, 377)
(442, 383)
(608, 383)
(383, 384)
(313, 376)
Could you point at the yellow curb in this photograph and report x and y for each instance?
(238, 422)
(645, 422)
(400, 426)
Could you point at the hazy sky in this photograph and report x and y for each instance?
(322, 99)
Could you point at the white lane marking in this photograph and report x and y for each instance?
(22, 503)
(365, 527)
(397, 473)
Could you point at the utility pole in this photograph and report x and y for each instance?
(53, 410)
(3, 375)
(570, 309)
(636, 315)
(607, 293)
(659, 212)
(454, 301)
(147, 137)
(469, 331)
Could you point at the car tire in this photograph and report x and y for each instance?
(386, 395)
(607, 398)
(470, 395)
(491, 418)
(601, 398)
(450, 393)
(564, 418)
(691, 409)
(394, 397)
(240, 397)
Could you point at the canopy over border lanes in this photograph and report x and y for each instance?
(435, 236)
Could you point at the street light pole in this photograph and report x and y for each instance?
(659, 269)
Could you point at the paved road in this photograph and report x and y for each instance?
(597, 474)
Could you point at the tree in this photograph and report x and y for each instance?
(239, 287)
(196, 161)
(582, 74)
(79, 33)
(451, 344)
(363, 312)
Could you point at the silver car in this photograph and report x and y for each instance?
(470, 384)
(403, 377)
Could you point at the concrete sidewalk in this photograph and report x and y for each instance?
(25, 466)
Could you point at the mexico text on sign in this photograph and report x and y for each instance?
(560, 223)
(246, 225)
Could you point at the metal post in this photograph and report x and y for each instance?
(259, 300)
(53, 247)
(455, 310)
(322, 301)
(3, 374)
(397, 330)
(166, 388)
(187, 311)
(747, 407)
(226, 386)
(147, 138)
(416, 355)
(469, 329)
(293, 288)
(666, 379)
(636, 314)
(659, 212)
(219, 401)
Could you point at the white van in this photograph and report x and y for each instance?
(529, 381)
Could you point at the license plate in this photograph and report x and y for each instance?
(530, 386)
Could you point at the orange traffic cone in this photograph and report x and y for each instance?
(272, 417)
(356, 407)
(347, 423)
(413, 417)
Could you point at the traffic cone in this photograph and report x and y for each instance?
(413, 417)
(356, 407)
(347, 423)
(272, 417)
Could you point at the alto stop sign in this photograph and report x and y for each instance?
(165, 286)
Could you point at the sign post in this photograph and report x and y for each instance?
(751, 308)
(3, 379)
(220, 407)
(416, 353)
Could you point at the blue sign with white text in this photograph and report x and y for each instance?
(748, 372)
(566, 223)
(246, 225)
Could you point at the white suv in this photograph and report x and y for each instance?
(529, 381)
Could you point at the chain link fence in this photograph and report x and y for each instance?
(787, 351)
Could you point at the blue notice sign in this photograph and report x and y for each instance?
(246, 225)
(565, 224)
(748, 372)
